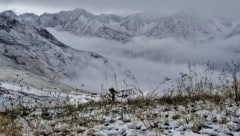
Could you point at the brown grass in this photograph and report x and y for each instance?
(9, 128)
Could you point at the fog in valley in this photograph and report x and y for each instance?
(145, 62)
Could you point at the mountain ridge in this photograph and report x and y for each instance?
(179, 25)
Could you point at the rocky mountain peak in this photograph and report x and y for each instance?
(9, 13)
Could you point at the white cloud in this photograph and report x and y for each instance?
(150, 60)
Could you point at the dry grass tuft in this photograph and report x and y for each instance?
(9, 128)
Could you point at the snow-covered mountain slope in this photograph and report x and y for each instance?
(179, 25)
(24, 47)
(36, 50)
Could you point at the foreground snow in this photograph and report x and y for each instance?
(13, 94)
(102, 119)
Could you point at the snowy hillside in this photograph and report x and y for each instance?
(34, 49)
(24, 47)
(180, 25)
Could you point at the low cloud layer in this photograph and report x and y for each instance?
(150, 60)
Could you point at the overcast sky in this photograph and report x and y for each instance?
(215, 7)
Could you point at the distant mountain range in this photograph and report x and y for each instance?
(182, 26)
